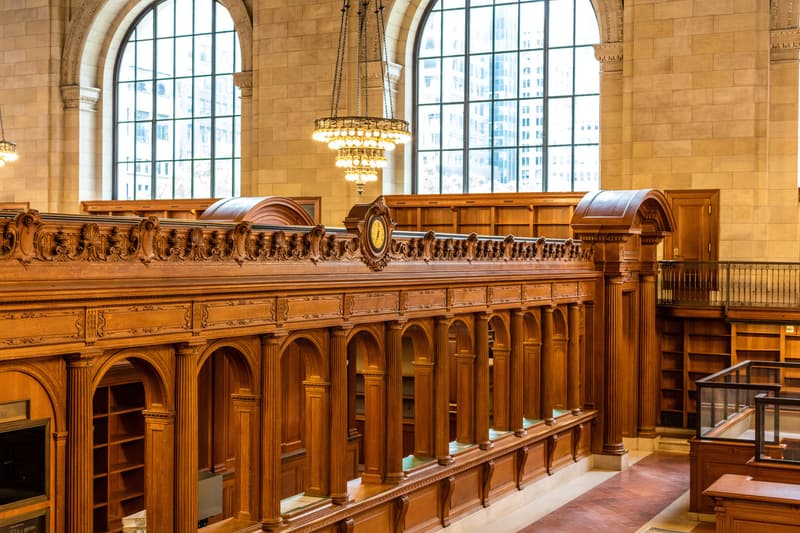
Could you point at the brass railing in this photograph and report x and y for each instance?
(729, 283)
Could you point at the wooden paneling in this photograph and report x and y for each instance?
(520, 214)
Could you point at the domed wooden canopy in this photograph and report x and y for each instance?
(272, 210)
(643, 211)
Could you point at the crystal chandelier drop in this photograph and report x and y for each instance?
(8, 150)
(361, 141)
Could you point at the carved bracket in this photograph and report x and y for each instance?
(400, 511)
(550, 451)
(486, 473)
(522, 459)
(577, 433)
(448, 487)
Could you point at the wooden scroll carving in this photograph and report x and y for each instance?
(448, 487)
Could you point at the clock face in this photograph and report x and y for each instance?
(377, 234)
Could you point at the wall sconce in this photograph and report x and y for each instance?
(8, 150)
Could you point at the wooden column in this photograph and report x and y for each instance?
(60, 443)
(649, 357)
(532, 380)
(574, 402)
(317, 407)
(246, 413)
(80, 466)
(160, 468)
(339, 417)
(482, 380)
(374, 425)
(614, 321)
(548, 367)
(502, 384)
(517, 369)
(186, 461)
(465, 397)
(441, 371)
(270, 432)
(424, 408)
(394, 403)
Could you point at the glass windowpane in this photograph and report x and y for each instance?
(453, 77)
(429, 135)
(505, 28)
(453, 171)
(480, 30)
(587, 120)
(431, 42)
(561, 23)
(430, 77)
(453, 126)
(479, 125)
(505, 170)
(559, 72)
(559, 169)
(453, 32)
(559, 121)
(428, 172)
(480, 171)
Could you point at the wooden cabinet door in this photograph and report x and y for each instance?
(696, 236)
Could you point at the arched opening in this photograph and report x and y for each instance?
(370, 401)
(132, 436)
(559, 367)
(499, 374)
(227, 414)
(418, 399)
(304, 423)
(531, 368)
(462, 386)
(29, 451)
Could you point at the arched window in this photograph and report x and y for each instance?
(177, 111)
(507, 97)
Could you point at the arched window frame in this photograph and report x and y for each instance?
(232, 157)
(577, 164)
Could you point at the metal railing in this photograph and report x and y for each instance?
(729, 283)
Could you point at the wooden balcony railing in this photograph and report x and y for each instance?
(729, 283)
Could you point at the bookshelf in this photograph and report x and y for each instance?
(118, 434)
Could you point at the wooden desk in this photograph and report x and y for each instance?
(745, 505)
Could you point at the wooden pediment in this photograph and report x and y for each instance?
(645, 212)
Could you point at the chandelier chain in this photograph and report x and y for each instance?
(340, 53)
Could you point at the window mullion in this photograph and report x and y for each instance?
(545, 91)
(212, 168)
(466, 112)
(153, 121)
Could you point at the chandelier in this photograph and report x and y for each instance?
(361, 141)
(8, 150)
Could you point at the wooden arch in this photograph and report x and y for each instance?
(644, 211)
(273, 210)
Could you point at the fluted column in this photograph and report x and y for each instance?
(612, 432)
(650, 359)
(574, 402)
(158, 489)
(374, 425)
(186, 356)
(245, 409)
(424, 407)
(517, 369)
(394, 404)
(465, 401)
(441, 413)
(548, 353)
(80, 465)
(270, 432)
(338, 370)
(482, 380)
(501, 386)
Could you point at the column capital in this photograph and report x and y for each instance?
(273, 338)
(244, 81)
(86, 358)
(79, 97)
(609, 55)
(190, 348)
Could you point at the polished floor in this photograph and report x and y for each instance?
(651, 495)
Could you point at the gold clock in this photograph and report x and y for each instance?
(377, 234)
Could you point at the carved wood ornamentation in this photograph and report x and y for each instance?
(448, 487)
(550, 452)
(577, 433)
(486, 482)
(400, 512)
(522, 459)
(347, 525)
(30, 237)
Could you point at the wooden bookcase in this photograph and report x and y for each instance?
(118, 453)
(693, 347)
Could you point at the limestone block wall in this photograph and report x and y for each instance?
(694, 94)
(29, 43)
(704, 95)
